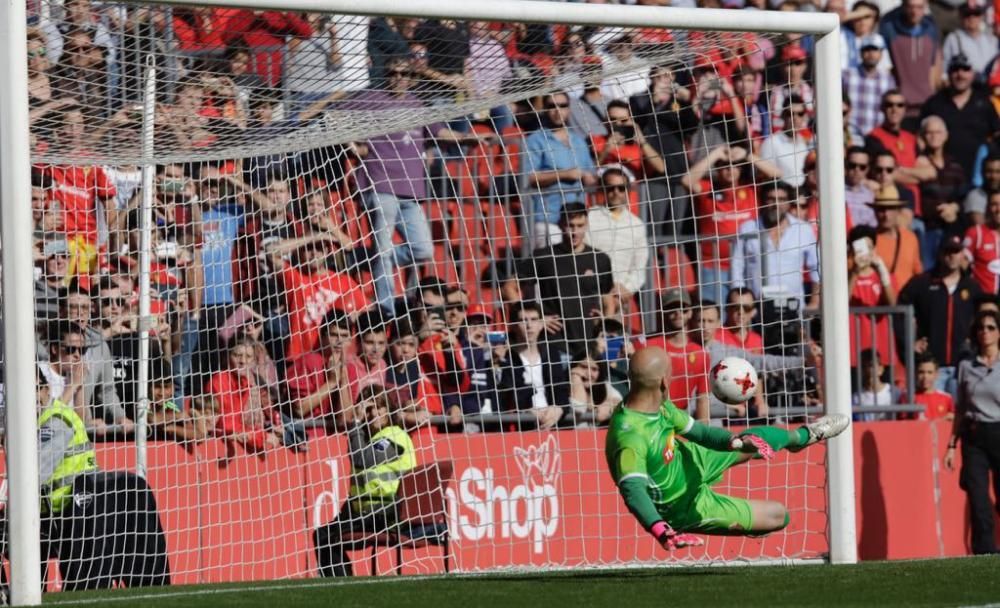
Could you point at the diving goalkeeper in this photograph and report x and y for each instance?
(667, 484)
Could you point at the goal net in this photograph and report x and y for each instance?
(366, 283)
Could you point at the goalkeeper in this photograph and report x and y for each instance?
(667, 484)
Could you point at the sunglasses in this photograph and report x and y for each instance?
(893, 104)
(859, 166)
(72, 349)
(960, 68)
(884, 169)
(553, 106)
(401, 73)
(616, 188)
(986, 328)
(799, 62)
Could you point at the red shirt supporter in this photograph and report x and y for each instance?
(982, 246)
(751, 343)
(310, 297)
(239, 401)
(77, 189)
(689, 370)
(937, 404)
(869, 291)
(720, 214)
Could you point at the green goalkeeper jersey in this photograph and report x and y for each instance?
(641, 445)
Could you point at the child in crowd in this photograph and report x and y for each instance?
(937, 404)
(874, 392)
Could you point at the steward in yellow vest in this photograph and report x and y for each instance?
(64, 449)
(381, 454)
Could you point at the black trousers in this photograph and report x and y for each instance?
(980, 459)
(329, 539)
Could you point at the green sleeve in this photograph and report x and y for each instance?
(677, 418)
(712, 437)
(639, 503)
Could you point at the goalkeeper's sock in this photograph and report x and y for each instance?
(779, 438)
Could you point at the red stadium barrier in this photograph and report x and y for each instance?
(531, 498)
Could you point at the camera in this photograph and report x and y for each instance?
(626, 131)
(496, 338)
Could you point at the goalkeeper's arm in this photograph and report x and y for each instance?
(633, 490)
(711, 437)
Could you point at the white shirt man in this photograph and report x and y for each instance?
(619, 233)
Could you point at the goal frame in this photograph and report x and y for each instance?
(15, 225)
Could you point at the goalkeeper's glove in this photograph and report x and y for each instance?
(752, 444)
(669, 539)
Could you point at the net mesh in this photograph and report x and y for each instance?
(403, 263)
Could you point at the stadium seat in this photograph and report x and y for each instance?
(423, 517)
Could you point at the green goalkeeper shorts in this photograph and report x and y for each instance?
(703, 510)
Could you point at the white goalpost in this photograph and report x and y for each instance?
(257, 224)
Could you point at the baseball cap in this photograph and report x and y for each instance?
(793, 52)
(675, 295)
(872, 42)
(55, 247)
(959, 61)
(951, 244)
(479, 310)
(970, 8)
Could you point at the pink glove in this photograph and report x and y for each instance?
(669, 538)
(760, 446)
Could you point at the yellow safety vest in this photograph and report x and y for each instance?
(80, 458)
(378, 485)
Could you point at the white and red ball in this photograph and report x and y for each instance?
(734, 380)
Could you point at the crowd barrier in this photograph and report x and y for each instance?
(532, 498)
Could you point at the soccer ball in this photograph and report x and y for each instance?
(734, 380)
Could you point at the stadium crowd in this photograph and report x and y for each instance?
(285, 284)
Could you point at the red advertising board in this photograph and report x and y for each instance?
(533, 499)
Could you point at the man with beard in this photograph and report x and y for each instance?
(771, 251)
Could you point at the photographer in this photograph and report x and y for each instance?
(626, 145)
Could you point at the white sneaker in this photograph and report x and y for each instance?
(826, 427)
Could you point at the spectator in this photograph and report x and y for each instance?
(169, 420)
(587, 113)
(264, 33)
(53, 276)
(977, 423)
(385, 41)
(874, 392)
(884, 169)
(629, 73)
(787, 244)
(592, 399)
(866, 84)
(620, 235)
(613, 345)
(974, 205)
(381, 453)
(689, 362)
(82, 73)
(626, 145)
(481, 349)
(559, 167)
(741, 310)
(99, 391)
(915, 49)
(447, 47)
(433, 86)
(573, 282)
(369, 366)
(891, 137)
(312, 290)
(937, 403)
(532, 378)
(414, 396)
(859, 27)
(788, 148)
(976, 43)
(394, 180)
(65, 367)
(982, 246)
(666, 117)
(122, 345)
(317, 382)
(943, 301)
(747, 85)
(327, 60)
(966, 110)
(795, 60)
(856, 190)
(852, 136)
(487, 66)
(869, 284)
(895, 244)
(82, 192)
(237, 401)
(940, 213)
(245, 323)
(248, 85)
